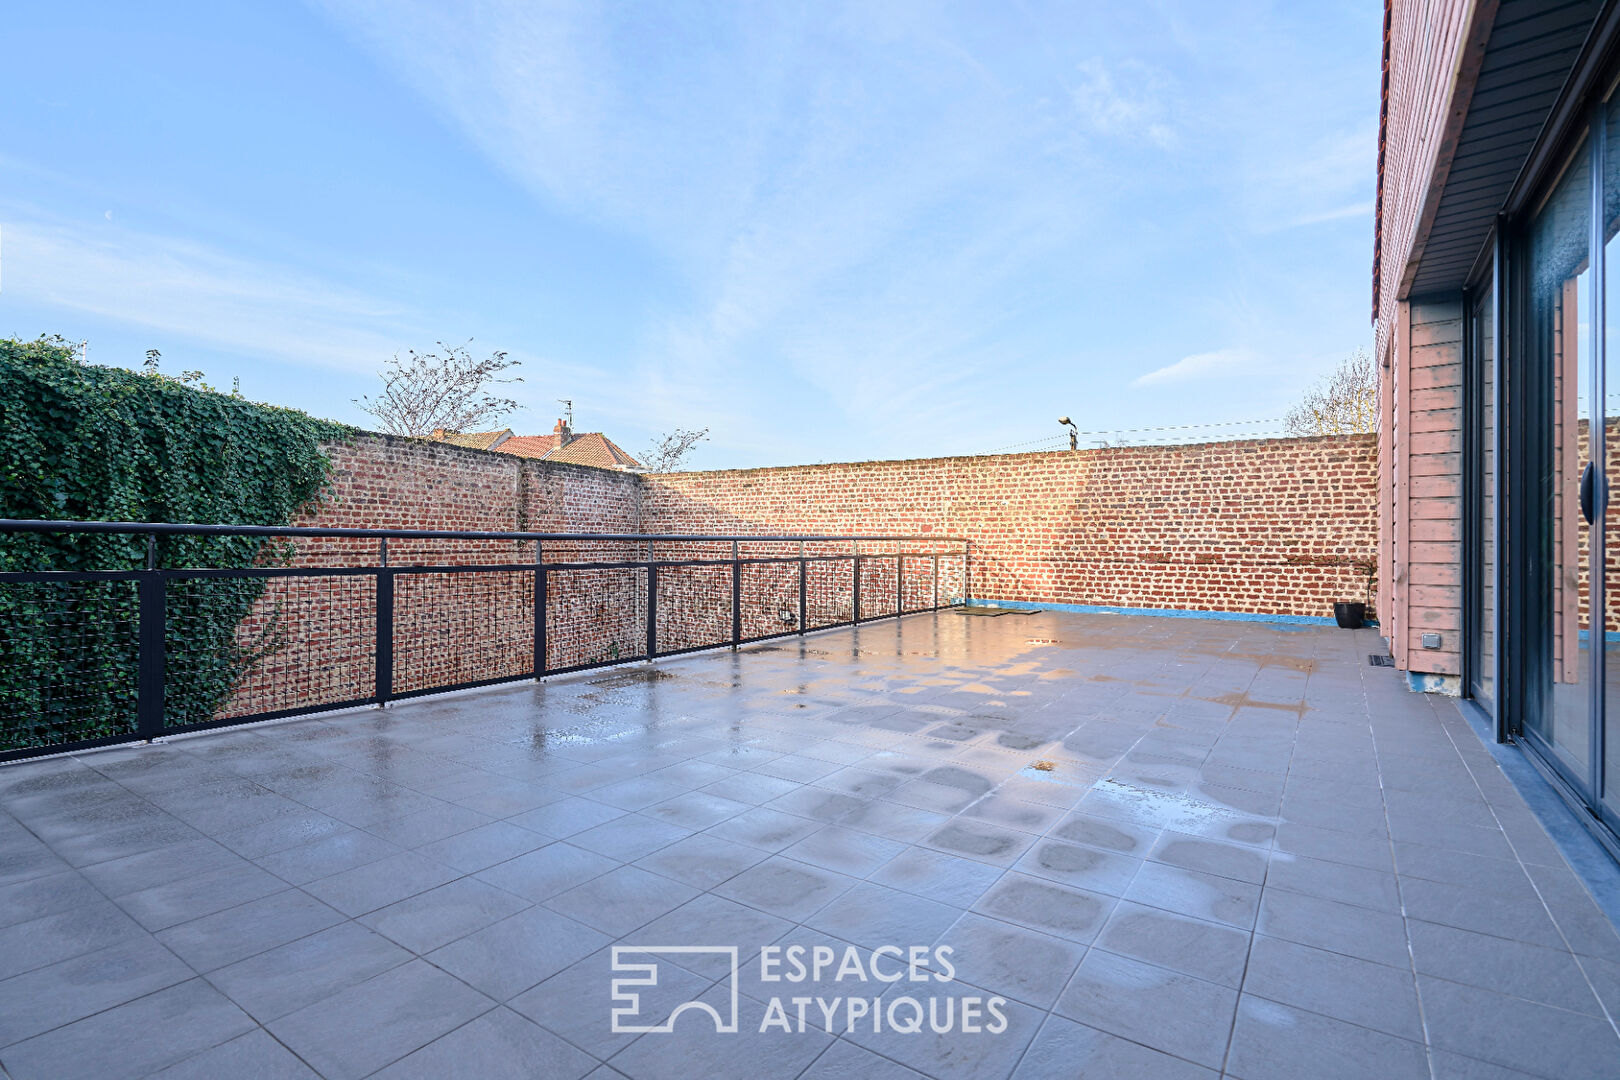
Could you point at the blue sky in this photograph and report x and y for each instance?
(824, 232)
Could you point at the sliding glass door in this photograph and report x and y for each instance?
(1560, 339)
(1565, 534)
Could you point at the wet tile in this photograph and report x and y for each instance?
(785, 888)
(1491, 1026)
(228, 936)
(621, 900)
(1042, 905)
(50, 997)
(845, 850)
(711, 920)
(1199, 895)
(499, 1045)
(305, 971)
(934, 874)
(483, 846)
(545, 872)
(701, 860)
(1162, 1009)
(424, 922)
(181, 901)
(694, 1050)
(1271, 1041)
(872, 915)
(577, 1002)
(1333, 881)
(629, 837)
(1123, 837)
(151, 1033)
(1083, 867)
(357, 1031)
(565, 817)
(1065, 1048)
(1211, 951)
(988, 1043)
(1325, 924)
(980, 840)
(1023, 964)
(375, 885)
(1355, 991)
(1237, 861)
(696, 810)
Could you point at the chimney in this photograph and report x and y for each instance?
(564, 436)
(438, 434)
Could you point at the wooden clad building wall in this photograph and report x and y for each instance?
(1423, 496)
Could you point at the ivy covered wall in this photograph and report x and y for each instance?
(81, 442)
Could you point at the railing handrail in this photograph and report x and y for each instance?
(29, 525)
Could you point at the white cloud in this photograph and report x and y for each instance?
(1219, 364)
(843, 194)
(197, 292)
(1128, 101)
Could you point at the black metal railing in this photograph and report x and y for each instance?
(118, 631)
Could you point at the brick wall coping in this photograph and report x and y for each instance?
(163, 528)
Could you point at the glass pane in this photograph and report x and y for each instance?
(1560, 300)
(1611, 457)
(1485, 339)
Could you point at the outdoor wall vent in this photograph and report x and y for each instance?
(1431, 641)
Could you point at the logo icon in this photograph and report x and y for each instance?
(627, 997)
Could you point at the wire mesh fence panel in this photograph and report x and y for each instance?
(456, 628)
(69, 661)
(917, 583)
(694, 607)
(595, 616)
(238, 647)
(829, 594)
(770, 599)
(953, 578)
(878, 584)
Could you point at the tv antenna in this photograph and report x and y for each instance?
(568, 411)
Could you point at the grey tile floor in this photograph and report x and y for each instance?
(1174, 847)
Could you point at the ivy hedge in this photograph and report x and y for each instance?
(87, 443)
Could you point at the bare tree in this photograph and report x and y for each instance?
(447, 390)
(1342, 403)
(666, 454)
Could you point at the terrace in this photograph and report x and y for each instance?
(1175, 847)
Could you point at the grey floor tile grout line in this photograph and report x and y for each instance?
(1400, 892)
(1248, 954)
(775, 732)
(1540, 896)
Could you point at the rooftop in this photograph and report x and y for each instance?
(1176, 847)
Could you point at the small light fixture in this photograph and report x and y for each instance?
(1074, 432)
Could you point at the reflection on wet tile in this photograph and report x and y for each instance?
(1110, 819)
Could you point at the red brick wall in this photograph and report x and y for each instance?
(1270, 526)
(448, 628)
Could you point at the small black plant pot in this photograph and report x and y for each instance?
(1349, 616)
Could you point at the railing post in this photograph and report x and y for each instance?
(539, 612)
(935, 557)
(736, 594)
(652, 610)
(385, 629)
(804, 572)
(857, 589)
(967, 574)
(899, 582)
(152, 661)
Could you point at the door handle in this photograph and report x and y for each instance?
(1590, 493)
